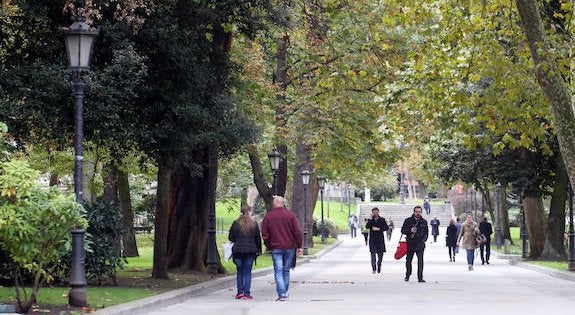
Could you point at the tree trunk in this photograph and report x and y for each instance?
(191, 199)
(282, 80)
(552, 83)
(264, 190)
(54, 179)
(88, 171)
(505, 231)
(159, 268)
(129, 239)
(110, 177)
(304, 211)
(535, 223)
(554, 246)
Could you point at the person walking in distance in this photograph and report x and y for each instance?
(376, 226)
(282, 236)
(467, 239)
(353, 223)
(451, 239)
(434, 228)
(245, 234)
(365, 231)
(485, 229)
(416, 231)
(427, 206)
(391, 226)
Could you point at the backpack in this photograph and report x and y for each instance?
(480, 238)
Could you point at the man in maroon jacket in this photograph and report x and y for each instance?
(282, 235)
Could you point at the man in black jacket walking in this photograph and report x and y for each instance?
(415, 228)
(485, 229)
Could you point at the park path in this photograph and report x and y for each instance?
(341, 282)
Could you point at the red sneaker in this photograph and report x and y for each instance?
(239, 296)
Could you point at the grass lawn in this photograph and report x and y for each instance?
(516, 249)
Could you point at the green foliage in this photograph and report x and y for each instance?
(147, 208)
(35, 225)
(105, 230)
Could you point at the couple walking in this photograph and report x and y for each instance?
(415, 229)
(282, 236)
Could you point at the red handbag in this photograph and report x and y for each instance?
(401, 248)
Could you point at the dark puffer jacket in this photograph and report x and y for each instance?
(245, 244)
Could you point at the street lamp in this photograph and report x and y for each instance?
(305, 175)
(571, 259)
(523, 228)
(79, 39)
(401, 191)
(321, 183)
(498, 216)
(275, 158)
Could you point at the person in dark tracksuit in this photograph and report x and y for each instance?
(416, 231)
(376, 226)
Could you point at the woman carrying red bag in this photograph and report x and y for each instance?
(376, 226)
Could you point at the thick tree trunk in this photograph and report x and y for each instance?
(549, 77)
(554, 246)
(534, 221)
(159, 268)
(282, 79)
(129, 239)
(192, 197)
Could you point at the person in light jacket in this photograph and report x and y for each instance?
(245, 233)
(466, 239)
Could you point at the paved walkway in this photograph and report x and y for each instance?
(341, 282)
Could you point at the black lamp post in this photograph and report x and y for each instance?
(523, 229)
(212, 250)
(571, 259)
(305, 175)
(79, 38)
(275, 158)
(401, 191)
(498, 216)
(321, 183)
(348, 200)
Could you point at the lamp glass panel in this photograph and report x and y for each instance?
(305, 177)
(73, 49)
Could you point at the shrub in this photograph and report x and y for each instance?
(103, 235)
(35, 227)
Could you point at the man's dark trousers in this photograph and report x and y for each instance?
(408, 260)
(487, 247)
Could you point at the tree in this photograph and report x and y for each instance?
(549, 75)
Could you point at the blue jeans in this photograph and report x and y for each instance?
(282, 259)
(244, 265)
(470, 256)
